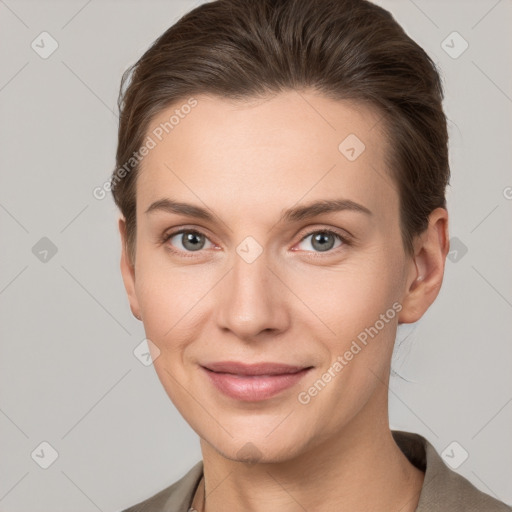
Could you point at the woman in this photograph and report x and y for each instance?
(281, 174)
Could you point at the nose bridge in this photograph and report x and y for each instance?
(251, 297)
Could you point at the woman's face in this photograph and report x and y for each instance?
(255, 278)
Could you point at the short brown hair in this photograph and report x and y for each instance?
(344, 49)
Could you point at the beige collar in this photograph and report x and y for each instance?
(199, 498)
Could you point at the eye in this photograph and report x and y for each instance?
(190, 240)
(323, 240)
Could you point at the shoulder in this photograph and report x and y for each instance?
(175, 498)
(443, 489)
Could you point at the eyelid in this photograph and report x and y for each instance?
(342, 233)
(185, 228)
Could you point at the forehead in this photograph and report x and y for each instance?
(287, 146)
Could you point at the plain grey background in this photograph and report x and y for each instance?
(68, 373)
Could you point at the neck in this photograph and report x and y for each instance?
(360, 467)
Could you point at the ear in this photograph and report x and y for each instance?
(426, 268)
(128, 271)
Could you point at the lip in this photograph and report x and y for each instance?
(253, 382)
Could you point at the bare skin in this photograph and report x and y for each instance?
(295, 303)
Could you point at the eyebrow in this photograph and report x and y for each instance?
(294, 214)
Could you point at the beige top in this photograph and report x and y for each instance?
(443, 489)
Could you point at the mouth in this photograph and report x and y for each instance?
(253, 382)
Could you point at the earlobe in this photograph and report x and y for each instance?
(427, 268)
(128, 271)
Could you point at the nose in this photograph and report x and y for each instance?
(252, 300)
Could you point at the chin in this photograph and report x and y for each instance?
(255, 449)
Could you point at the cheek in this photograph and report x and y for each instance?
(170, 298)
(359, 305)
(170, 303)
(351, 297)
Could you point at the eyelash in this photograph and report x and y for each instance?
(190, 254)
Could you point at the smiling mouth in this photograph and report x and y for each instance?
(253, 382)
